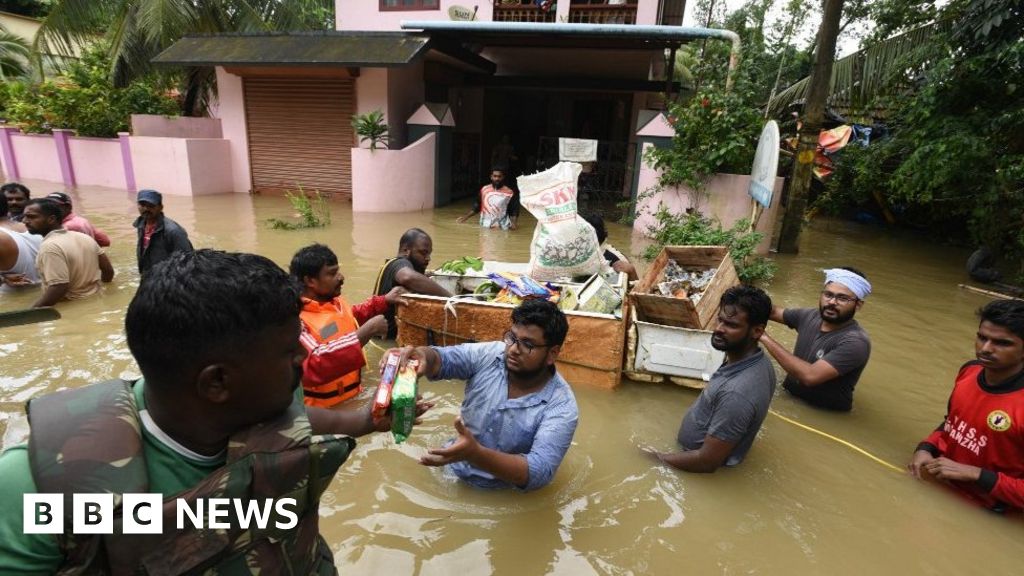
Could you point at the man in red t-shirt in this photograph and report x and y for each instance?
(77, 223)
(979, 448)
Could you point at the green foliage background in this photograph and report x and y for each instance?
(697, 230)
(84, 99)
(954, 164)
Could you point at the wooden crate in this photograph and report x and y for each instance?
(682, 312)
(591, 355)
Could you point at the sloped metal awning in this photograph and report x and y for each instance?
(601, 39)
(570, 35)
(314, 49)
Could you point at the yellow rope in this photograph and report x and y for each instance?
(840, 440)
(377, 346)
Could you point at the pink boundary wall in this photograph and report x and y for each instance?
(175, 126)
(725, 199)
(409, 170)
(97, 162)
(182, 166)
(36, 155)
(175, 166)
(230, 110)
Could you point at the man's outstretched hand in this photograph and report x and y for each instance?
(464, 448)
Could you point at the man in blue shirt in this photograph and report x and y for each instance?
(519, 415)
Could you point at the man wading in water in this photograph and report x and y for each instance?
(831, 348)
(720, 427)
(408, 269)
(518, 414)
(979, 448)
(497, 204)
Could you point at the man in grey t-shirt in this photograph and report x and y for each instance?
(720, 427)
(831, 348)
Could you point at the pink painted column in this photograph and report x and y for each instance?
(126, 159)
(67, 171)
(7, 148)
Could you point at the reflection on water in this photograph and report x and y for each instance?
(799, 503)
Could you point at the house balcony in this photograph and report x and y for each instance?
(526, 11)
(373, 15)
(602, 12)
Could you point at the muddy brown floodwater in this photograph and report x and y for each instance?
(799, 504)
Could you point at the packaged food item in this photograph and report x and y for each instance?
(382, 399)
(563, 244)
(597, 296)
(403, 401)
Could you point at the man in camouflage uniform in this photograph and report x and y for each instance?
(217, 414)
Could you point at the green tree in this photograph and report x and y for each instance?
(715, 132)
(955, 162)
(138, 30)
(14, 56)
(813, 116)
(85, 99)
(30, 8)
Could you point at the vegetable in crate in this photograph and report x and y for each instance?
(461, 265)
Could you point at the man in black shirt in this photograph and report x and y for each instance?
(408, 270)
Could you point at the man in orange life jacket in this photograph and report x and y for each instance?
(333, 331)
(979, 448)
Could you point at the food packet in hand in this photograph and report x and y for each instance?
(403, 401)
(382, 398)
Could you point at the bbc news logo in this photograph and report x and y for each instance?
(143, 513)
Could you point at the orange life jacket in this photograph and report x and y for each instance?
(326, 322)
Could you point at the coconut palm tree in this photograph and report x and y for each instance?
(14, 56)
(138, 30)
(884, 66)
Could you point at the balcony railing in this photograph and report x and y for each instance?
(602, 13)
(522, 13)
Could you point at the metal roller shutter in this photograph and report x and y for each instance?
(300, 133)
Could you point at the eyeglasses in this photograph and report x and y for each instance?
(524, 347)
(840, 298)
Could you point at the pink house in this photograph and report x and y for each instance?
(462, 86)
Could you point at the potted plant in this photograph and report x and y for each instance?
(371, 126)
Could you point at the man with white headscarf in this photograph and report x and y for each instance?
(831, 348)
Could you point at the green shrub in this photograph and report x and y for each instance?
(695, 229)
(86, 100)
(715, 132)
(312, 208)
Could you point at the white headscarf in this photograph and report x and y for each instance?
(857, 284)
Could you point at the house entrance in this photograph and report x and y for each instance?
(521, 129)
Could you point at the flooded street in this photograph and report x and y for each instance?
(800, 503)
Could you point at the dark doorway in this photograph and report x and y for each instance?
(533, 120)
